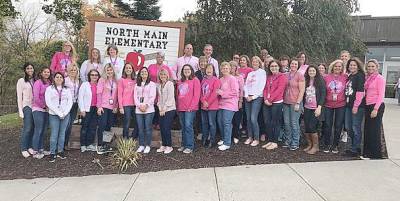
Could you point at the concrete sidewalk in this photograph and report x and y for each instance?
(370, 180)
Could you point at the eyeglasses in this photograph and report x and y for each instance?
(94, 75)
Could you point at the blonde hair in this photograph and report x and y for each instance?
(226, 64)
(71, 66)
(203, 58)
(164, 72)
(372, 61)
(91, 57)
(258, 59)
(73, 53)
(236, 65)
(334, 63)
(108, 65)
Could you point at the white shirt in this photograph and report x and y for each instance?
(85, 97)
(73, 87)
(118, 64)
(59, 101)
(191, 60)
(87, 66)
(255, 83)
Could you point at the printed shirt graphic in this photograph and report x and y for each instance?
(205, 89)
(336, 86)
(311, 98)
(64, 62)
(349, 90)
(183, 89)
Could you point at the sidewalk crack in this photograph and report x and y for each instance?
(46, 189)
(133, 183)
(216, 183)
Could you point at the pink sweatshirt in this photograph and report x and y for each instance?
(302, 69)
(374, 90)
(24, 95)
(335, 88)
(59, 62)
(155, 68)
(145, 95)
(244, 71)
(39, 89)
(188, 95)
(275, 87)
(209, 86)
(240, 80)
(229, 98)
(107, 94)
(125, 92)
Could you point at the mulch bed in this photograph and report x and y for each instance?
(14, 166)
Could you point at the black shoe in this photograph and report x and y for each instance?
(52, 158)
(61, 155)
(326, 149)
(335, 150)
(349, 153)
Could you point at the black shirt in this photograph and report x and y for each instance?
(354, 84)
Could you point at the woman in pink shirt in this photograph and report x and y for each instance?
(244, 68)
(335, 103)
(94, 62)
(209, 105)
(188, 96)
(107, 105)
(144, 96)
(60, 60)
(126, 85)
(322, 69)
(228, 104)
(302, 58)
(273, 102)
(40, 112)
(24, 98)
(72, 83)
(238, 116)
(374, 95)
(293, 106)
(155, 68)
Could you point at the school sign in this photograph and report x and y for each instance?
(145, 37)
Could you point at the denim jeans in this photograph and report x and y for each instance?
(129, 113)
(273, 120)
(292, 125)
(252, 109)
(330, 114)
(40, 120)
(89, 127)
(27, 129)
(72, 117)
(106, 121)
(165, 127)
(58, 127)
(237, 118)
(353, 126)
(145, 126)
(225, 125)
(186, 119)
(208, 125)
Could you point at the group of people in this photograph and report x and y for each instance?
(264, 96)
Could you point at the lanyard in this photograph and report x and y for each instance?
(112, 86)
(335, 82)
(187, 62)
(59, 96)
(66, 59)
(113, 62)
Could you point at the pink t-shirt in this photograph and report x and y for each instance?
(335, 88)
(311, 97)
(93, 88)
(244, 71)
(302, 69)
(292, 90)
(155, 68)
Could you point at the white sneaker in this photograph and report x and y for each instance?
(168, 150)
(248, 141)
(161, 149)
(254, 143)
(46, 153)
(220, 142)
(223, 147)
(187, 151)
(272, 146)
(267, 145)
(140, 149)
(38, 156)
(25, 154)
(147, 150)
(31, 151)
(181, 148)
(235, 140)
(83, 149)
(91, 148)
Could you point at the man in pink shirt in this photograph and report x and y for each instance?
(187, 58)
(207, 51)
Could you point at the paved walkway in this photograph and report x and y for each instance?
(373, 180)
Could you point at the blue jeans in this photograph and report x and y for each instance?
(186, 119)
(353, 126)
(27, 130)
(58, 127)
(89, 127)
(40, 120)
(165, 127)
(145, 126)
(292, 126)
(225, 125)
(72, 117)
(208, 125)
(273, 120)
(252, 109)
(330, 114)
(129, 113)
(106, 121)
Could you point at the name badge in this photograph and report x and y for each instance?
(111, 101)
(334, 97)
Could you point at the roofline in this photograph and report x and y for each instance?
(375, 17)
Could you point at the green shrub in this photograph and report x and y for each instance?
(125, 154)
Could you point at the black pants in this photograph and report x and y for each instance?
(237, 118)
(372, 132)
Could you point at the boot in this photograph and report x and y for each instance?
(315, 146)
(309, 142)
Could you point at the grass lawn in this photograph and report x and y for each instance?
(10, 121)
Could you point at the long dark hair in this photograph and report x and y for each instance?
(93, 70)
(359, 65)
(40, 77)
(54, 83)
(318, 80)
(27, 78)
(124, 75)
(191, 76)
(269, 64)
(139, 77)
